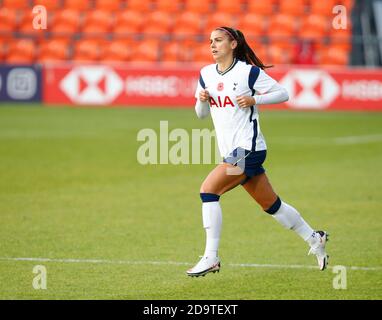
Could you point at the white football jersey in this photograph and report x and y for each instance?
(234, 126)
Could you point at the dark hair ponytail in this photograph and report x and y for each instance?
(243, 51)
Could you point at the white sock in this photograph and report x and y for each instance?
(212, 222)
(290, 218)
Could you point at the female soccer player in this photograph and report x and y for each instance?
(230, 91)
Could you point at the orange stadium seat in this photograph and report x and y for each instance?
(333, 56)
(8, 19)
(315, 21)
(281, 28)
(252, 33)
(229, 6)
(323, 7)
(201, 7)
(252, 24)
(97, 22)
(108, 5)
(21, 51)
(16, 4)
(67, 16)
(101, 17)
(65, 22)
(94, 31)
(3, 48)
(117, 50)
(125, 30)
(187, 45)
(259, 49)
(76, 5)
(49, 4)
(53, 50)
(87, 50)
(341, 38)
(63, 30)
(342, 43)
(129, 18)
(158, 23)
(262, 53)
(311, 34)
(146, 51)
(159, 19)
(294, 8)
(283, 22)
(265, 8)
(218, 19)
(185, 32)
(171, 6)
(286, 42)
(201, 53)
(278, 55)
(139, 5)
(313, 26)
(152, 31)
(186, 19)
(172, 52)
(186, 48)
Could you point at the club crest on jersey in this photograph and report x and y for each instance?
(221, 102)
(220, 86)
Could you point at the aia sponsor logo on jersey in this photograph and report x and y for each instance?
(221, 102)
(220, 86)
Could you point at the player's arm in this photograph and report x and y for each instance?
(276, 94)
(270, 92)
(202, 105)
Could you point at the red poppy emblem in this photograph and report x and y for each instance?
(221, 86)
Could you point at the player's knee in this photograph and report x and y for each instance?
(207, 188)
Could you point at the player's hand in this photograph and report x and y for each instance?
(204, 96)
(245, 101)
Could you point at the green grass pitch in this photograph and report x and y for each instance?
(71, 188)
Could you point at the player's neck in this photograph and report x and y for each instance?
(223, 65)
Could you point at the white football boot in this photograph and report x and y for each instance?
(204, 266)
(318, 248)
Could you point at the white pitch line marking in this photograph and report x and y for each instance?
(234, 265)
(358, 139)
(345, 140)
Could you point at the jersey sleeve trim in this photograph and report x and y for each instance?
(253, 75)
(201, 81)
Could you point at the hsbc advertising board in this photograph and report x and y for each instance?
(104, 85)
(347, 89)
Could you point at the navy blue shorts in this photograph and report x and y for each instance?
(251, 162)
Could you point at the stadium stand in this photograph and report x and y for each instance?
(170, 6)
(285, 31)
(21, 51)
(53, 50)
